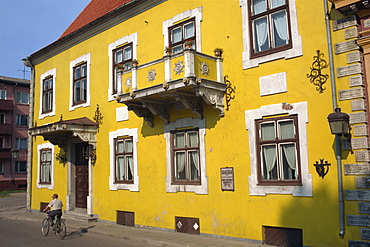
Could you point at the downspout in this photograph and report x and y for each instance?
(28, 63)
(337, 137)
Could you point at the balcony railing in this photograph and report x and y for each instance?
(6, 105)
(190, 78)
(6, 129)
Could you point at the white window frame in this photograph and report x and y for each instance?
(39, 148)
(301, 110)
(1, 93)
(112, 161)
(296, 39)
(132, 38)
(53, 73)
(196, 13)
(187, 123)
(84, 58)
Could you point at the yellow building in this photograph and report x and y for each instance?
(137, 121)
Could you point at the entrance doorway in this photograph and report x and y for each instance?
(82, 175)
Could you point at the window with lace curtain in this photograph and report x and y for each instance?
(45, 165)
(185, 152)
(270, 27)
(278, 149)
(124, 160)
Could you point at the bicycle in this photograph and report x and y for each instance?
(59, 227)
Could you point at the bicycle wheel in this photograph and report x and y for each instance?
(61, 229)
(45, 227)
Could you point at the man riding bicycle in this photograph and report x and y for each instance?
(57, 205)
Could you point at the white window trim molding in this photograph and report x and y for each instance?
(301, 110)
(84, 58)
(39, 147)
(183, 123)
(53, 73)
(191, 13)
(295, 51)
(132, 38)
(112, 135)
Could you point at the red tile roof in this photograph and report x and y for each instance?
(94, 10)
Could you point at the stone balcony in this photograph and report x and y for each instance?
(185, 81)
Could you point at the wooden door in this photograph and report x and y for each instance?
(81, 175)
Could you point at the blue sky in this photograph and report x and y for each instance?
(29, 25)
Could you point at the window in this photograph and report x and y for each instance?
(186, 156)
(185, 151)
(261, 186)
(2, 94)
(47, 95)
(45, 165)
(277, 147)
(270, 26)
(2, 145)
(21, 143)
(124, 160)
(2, 118)
(122, 56)
(20, 166)
(1, 166)
(79, 84)
(180, 33)
(21, 120)
(23, 98)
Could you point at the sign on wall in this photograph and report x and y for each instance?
(227, 178)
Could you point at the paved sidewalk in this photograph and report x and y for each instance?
(141, 235)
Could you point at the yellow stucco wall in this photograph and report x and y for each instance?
(234, 214)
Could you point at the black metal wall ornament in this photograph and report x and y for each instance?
(61, 157)
(98, 117)
(322, 168)
(230, 90)
(316, 75)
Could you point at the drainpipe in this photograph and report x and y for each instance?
(337, 137)
(28, 63)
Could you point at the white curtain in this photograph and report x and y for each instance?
(280, 25)
(193, 157)
(180, 140)
(269, 154)
(193, 139)
(130, 164)
(267, 131)
(289, 152)
(277, 3)
(176, 35)
(119, 56)
(180, 162)
(189, 30)
(127, 53)
(259, 6)
(260, 29)
(286, 130)
(120, 173)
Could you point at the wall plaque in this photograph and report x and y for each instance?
(353, 57)
(227, 178)
(361, 182)
(357, 92)
(344, 23)
(349, 70)
(364, 208)
(345, 46)
(367, 23)
(360, 143)
(358, 105)
(356, 169)
(357, 117)
(356, 81)
(362, 156)
(358, 220)
(365, 233)
(351, 33)
(360, 130)
(358, 195)
(346, 144)
(353, 243)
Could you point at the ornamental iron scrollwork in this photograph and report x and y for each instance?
(98, 117)
(322, 168)
(316, 76)
(230, 90)
(61, 157)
